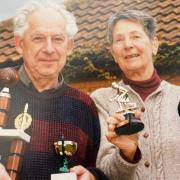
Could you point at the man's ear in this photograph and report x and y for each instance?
(18, 44)
(155, 45)
(70, 46)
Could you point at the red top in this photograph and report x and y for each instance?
(144, 88)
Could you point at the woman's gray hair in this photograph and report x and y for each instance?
(21, 19)
(148, 22)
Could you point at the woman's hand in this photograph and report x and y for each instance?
(126, 143)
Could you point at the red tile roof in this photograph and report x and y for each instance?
(92, 16)
(7, 49)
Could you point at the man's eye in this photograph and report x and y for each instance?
(37, 39)
(58, 40)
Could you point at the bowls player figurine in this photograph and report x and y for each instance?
(128, 109)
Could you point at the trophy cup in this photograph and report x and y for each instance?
(127, 108)
(65, 149)
(17, 137)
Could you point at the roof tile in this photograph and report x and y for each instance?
(92, 17)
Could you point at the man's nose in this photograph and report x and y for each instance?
(48, 47)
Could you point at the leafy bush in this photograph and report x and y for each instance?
(168, 59)
(90, 65)
(99, 64)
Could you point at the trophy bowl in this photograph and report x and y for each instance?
(65, 148)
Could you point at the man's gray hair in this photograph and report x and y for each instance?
(148, 22)
(21, 19)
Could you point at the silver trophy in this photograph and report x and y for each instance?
(128, 109)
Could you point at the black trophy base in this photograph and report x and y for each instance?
(134, 126)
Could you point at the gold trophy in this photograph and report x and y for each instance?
(65, 148)
(17, 137)
(127, 108)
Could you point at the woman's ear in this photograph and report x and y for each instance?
(155, 45)
(18, 44)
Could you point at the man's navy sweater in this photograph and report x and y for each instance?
(64, 111)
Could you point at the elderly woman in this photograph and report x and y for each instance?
(44, 36)
(154, 153)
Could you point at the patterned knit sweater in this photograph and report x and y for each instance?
(159, 142)
(64, 111)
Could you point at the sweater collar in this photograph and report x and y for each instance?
(25, 79)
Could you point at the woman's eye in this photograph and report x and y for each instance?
(136, 37)
(118, 40)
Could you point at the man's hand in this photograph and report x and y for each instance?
(3, 174)
(126, 143)
(82, 173)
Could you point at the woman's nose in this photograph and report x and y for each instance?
(128, 43)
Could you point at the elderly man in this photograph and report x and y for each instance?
(44, 37)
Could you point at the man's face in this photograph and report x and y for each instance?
(45, 45)
(132, 49)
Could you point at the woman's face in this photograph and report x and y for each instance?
(131, 48)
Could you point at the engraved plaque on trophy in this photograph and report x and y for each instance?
(65, 148)
(126, 107)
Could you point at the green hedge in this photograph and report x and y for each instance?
(99, 64)
(168, 59)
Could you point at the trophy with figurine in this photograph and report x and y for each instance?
(16, 137)
(128, 108)
(65, 148)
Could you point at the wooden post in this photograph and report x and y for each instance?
(14, 161)
(5, 101)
